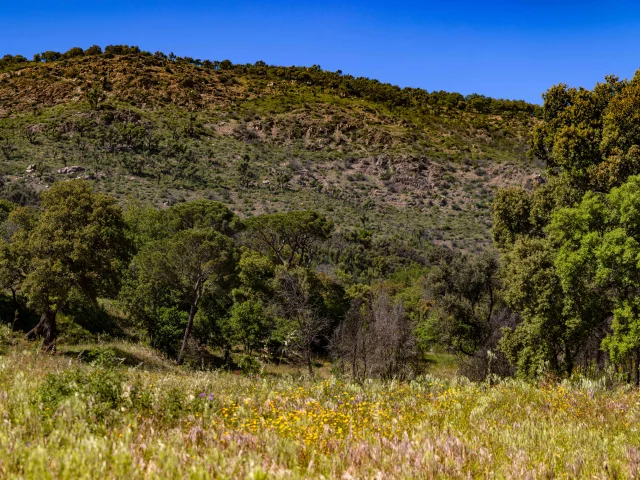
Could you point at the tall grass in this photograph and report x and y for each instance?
(63, 418)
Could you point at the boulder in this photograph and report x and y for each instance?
(534, 182)
(71, 169)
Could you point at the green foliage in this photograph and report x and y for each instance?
(244, 171)
(590, 136)
(95, 96)
(576, 283)
(50, 56)
(249, 365)
(168, 330)
(93, 50)
(173, 403)
(100, 387)
(571, 245)
(465, 296)
(255, 271)
(76, 244)
(200, 214)
(598, 245)
(6, 338)
(250, 323)
(55, 389)
(74, 52)
(79, 240)
(511, 212)
(145, 222)
(121, 50)
(289, 238)
(534, 290)
(178, 273)
(6, 208)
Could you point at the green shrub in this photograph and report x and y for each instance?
(101, 388)
(173, 403)
(249, 365)
(104, 385)
(6, 338)
(169, 330)
(105, 358)
(56, 388)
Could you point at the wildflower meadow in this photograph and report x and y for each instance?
(63, 417)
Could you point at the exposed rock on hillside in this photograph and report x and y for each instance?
(263, 138)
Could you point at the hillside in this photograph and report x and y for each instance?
(262, 139)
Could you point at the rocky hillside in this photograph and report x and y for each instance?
(164, 129)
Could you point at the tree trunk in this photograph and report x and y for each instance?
(187, 331)
(309, 361)
(48, 329)
(227, 354)
(192, 313)
(568, 360)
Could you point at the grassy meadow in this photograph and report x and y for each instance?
(88, 414)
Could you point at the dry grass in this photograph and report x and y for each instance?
(63, 418)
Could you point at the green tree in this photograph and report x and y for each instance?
(95, 95)
(511, 212)
(533, 289)
(566, 250)
(179, 271)
(255, 272)
(169, 331)
(289, 238)
(76, 243)
(201, 214)
(73, 52)
(244, 171)
(93, 50)
(251, 323)
(145, 222)
(590, 136)
(598, 249)
(465, 295)
(50, 56)
(302, 322)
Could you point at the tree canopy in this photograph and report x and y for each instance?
(76, 243)
(571, 244)
(288, 237)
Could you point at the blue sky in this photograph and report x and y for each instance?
(508, 49)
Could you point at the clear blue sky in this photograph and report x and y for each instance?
(509, 49)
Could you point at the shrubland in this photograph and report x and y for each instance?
(261, 139)
(237, 269)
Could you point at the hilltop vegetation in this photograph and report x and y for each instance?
(294, 226)
(304, 244)
(260, 138)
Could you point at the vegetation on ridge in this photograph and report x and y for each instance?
(212, 251)
(263, 138)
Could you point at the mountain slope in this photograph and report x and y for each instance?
(259, 138)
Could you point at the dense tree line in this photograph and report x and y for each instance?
(570, 245)
(314, 76)
(194, 276)
(559, 296)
